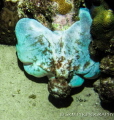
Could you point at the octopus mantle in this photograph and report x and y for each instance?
(62, 56)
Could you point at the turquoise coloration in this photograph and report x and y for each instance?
(76, 81)
(57, 54)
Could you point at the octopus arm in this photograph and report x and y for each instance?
(76, 81)
(33, 46)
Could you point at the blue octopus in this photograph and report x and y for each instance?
(62, 56)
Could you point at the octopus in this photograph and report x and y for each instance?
(62, 56)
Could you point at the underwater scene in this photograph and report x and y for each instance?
(56, 60)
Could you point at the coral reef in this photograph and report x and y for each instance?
(8, 19)
(48, 53)
(37, 9)
(107, 65)
(46, 12)
(102, 46)
(67, 13)
(103, 23)
(105, 88)
(63, 6)
(13, 10)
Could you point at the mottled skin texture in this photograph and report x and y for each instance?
(63, 56)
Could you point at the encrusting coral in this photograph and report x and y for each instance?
(103, 23)
(47, 53)
(102, 46)
(63, 6)
(42, 10)
(107, 65)
(13, 10)
(105, 89)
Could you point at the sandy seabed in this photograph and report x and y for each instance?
(23, 97)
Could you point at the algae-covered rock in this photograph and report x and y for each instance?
(105, 89)
(102, 29)
(63, 6)
(8, 19)
(107, 65)
(102, 47)
(46, 12)
(13, 10)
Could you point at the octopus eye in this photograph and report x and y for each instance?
(59, 88)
